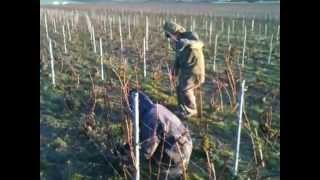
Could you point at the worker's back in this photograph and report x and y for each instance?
(189, 56)
(159, 125)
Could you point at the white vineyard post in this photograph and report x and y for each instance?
(193, 25)
(210, 32)
(278, 32)
(52, 64)
(215, 52)
(110, 28)
(147, 33)
(244, 45)
(233, 23)
(101, 59)
(64, 40)
(46, 25)
(228, 36)
(243, 25)
(72, 23)
(206, 28)
(222, 24)
(270, 51)
(54, 25)
(144, 58)
(239, 128)
(136, 137)
(120, 33)
(259, 32)
(134, 21)
(266, 30)
(252, 25)
(69, 33)
(104, 25)
(129, 28)
(94, 40)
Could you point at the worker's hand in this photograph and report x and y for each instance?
(173, 73)
(171, 36)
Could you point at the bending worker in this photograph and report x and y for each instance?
(188, 66)
(162, 133)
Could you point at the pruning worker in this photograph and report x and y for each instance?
(188, 66)
(162, 134)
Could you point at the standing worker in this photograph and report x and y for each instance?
(188, 66)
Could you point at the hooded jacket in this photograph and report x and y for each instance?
(189, 61)
(156, 121)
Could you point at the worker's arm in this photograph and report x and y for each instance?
(150, 146)
(176, 66)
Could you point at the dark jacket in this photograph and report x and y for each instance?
(156, 121)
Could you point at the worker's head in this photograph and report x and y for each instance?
(145, 103)
(173, 30)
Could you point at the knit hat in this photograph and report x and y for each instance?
(173, 27)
